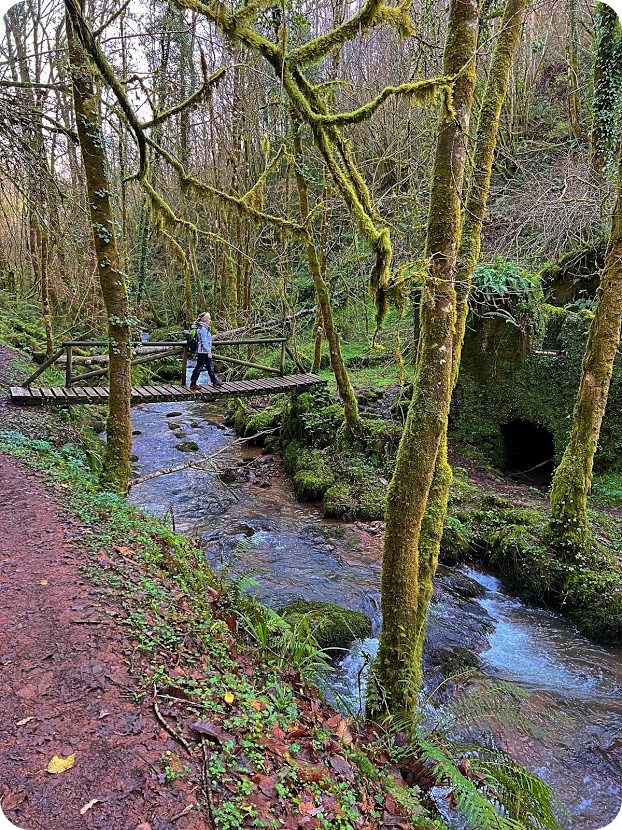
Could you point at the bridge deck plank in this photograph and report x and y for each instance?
(164, 392)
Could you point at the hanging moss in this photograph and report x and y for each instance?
(380, 275)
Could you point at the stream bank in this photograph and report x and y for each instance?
(572, 688)
(491, 519)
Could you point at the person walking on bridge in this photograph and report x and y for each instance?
(204, 353)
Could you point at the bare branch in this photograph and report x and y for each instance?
(190, 102)
(114, 16)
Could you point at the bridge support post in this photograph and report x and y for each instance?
(68, 352)
(44, 366)
(184, 365)
(282, 360)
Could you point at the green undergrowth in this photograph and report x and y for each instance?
(333, 627)
(21, 324)
(232, 683)
(348, 475)
(251, 730)
(607, 489)
(57, 425)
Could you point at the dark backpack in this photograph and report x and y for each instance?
(192, 341)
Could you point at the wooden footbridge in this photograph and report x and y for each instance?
(76, 391)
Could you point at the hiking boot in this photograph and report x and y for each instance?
(218, 384)
(195, 388)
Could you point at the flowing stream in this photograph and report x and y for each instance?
(248, 521)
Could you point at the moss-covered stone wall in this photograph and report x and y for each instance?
(527, 370)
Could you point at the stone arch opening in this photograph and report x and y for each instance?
(528, 452)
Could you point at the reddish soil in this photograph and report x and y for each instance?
(65, 685)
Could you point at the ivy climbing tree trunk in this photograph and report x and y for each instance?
(468, 254)
(346, 392)
(116, 465)
(568, 529)
(397, 676)
(607, 80)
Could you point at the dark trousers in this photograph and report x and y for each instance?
(203, 363)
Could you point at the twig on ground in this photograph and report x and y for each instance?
(179, 738)
(206, 786)
(184, 812)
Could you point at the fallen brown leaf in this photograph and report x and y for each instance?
(212, 731)
(342, 767)
(12, 800)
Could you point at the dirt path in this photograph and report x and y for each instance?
(486, 480)
(65, 686)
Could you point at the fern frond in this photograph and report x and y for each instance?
(470, 802)
(496, 793)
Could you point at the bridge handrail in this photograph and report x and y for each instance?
(174, 347)
(247, 341)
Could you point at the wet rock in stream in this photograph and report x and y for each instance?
(460, 584)
(456, 621)
(228, 475)
(187, 446)
(455, 662)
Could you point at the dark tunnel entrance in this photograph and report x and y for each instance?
(528, 453)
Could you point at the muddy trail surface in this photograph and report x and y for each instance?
(65, 685)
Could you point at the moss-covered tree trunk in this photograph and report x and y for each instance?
(116, 466)
(397, 670)
(344, 387)
(44, 253)
(468, 254)
(568, 529)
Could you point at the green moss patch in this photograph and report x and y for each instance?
(187, 446)
(456, 661)
(333, 627)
